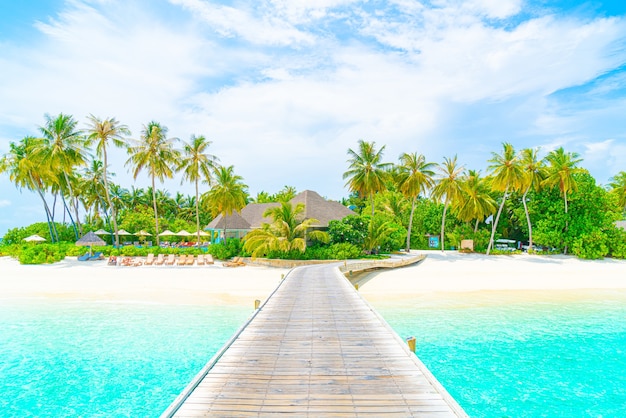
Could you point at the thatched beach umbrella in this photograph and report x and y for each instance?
(123, 232)
(90, 239)
(34, 238)
(143, 233)
(167, 232)
(183, 233)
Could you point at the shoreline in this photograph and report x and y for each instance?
(97, 281)
(449, 272)
(454, 272)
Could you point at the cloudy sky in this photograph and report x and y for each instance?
(284, 87)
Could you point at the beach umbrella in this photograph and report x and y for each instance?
(90, 239)
(102, 232)
(34, 238)
(202, 234)
(183, 233)
(123, 232)
(166, 232)
(143, 233)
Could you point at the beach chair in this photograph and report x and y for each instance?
(190, 260)
(200, 260)
(182, 260)
(149, 259)
(84, 257)
(208, 259)
(160, 260)
(112, 261)
(171, 258)
(96, 256)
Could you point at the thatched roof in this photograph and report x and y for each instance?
(234, 221)
(315, 206)
(90, 239)
(253, 213)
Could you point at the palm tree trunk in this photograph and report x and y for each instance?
(566, 221)
(495, 223)
(476, 225)
(408, 234)
(156, 215)
(197, 214)
(71, 193)
(108, 197)
(530, 225)
(67, 209)
(443, 224)
(54, 236)
(372, 203)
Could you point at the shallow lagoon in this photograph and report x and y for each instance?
(500, 354)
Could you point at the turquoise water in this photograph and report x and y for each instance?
(104, 359)
(497, 353)
(501, 355)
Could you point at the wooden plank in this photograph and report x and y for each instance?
(316, 348)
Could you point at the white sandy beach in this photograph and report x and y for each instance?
(215, 285)
(198, 285)
(456, 272)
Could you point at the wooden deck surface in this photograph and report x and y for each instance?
(316, 348)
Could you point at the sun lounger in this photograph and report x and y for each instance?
(208, 259)
(150, 259)
(171, 258)
(112, 261)
(190, 260)
(84, 257)
(96, 256)
(237, 262)
(159, 260)
(182, 260)
(200, 260)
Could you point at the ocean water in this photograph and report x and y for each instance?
(94, 359)
(522, 354)
(500, 354)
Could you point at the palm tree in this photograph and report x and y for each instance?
(618, 188)
(92, 188)
(447, 187)
(26, 169)
(475, 202)
(64, 149)
(560, 172)
(288, 231)
(103, 132)
(197, 165)
(228, 194)
(155, 152)
(506, 176)
(367, 173)
(533, 169)
(415, 176)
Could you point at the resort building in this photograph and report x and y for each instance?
(251, 217)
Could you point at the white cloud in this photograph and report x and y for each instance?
(4, 203)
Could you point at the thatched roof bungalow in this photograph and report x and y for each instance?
(251, 217)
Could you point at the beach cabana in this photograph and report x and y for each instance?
(90, 239)
(34, 238)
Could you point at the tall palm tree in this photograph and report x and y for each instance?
(447, 187)
(228, 194)
(288, 231)
(27, 170)
(367, 173)
(506, 176)
(560, 172)
(92, 188)
(534, 172)
(154, 152)
(415, 176)
(475, 201)
(197, 165)
(103, 133)
(64, 149)
(618, 188)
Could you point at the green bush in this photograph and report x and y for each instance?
(224, 251)
(591, 246)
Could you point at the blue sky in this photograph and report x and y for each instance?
(284, 87)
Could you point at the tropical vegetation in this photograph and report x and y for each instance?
(549, 204)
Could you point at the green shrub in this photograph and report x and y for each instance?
(591, 246)
(224, 251)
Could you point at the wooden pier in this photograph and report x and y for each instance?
(315, 348)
